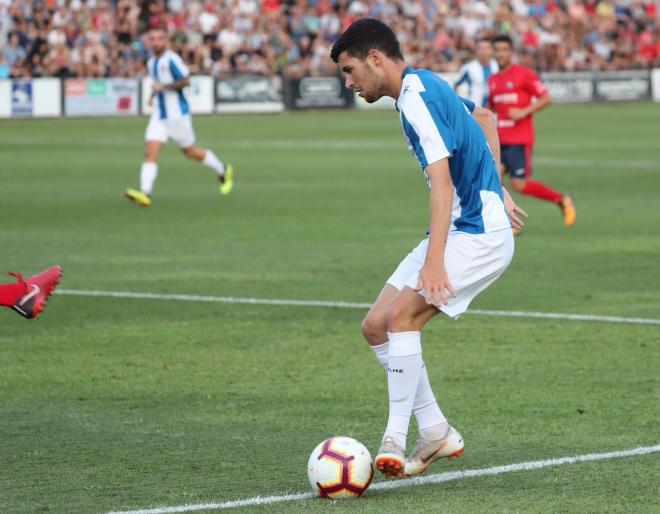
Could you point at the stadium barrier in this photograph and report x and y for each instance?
(101, 97)
(53, 97)
(40, 97)
(317, 93)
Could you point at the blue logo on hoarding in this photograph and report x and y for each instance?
(21, 98)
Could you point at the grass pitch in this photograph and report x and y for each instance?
(111, 404)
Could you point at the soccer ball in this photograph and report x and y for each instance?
(340, 467)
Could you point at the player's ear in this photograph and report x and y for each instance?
(374, 57)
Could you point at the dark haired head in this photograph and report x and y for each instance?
(503, 38)
(365, 35)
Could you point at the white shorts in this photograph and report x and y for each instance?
(473, 262)
(179, 129)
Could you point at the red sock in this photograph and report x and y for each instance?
(9, 293)
(540, 190)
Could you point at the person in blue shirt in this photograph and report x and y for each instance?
(469, 243)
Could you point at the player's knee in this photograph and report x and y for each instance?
(399, 318)
(518, 184)
(189, 152)
(374, 330)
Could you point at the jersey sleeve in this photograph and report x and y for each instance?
(150, 67)
(469, 104)
(178, 68)
(429, 132)
(463, 76)
(533, 84)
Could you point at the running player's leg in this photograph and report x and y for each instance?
(28, 297)
(520, 170)
(9, 293)
(184, 135)
(149, 169)
(155, 137)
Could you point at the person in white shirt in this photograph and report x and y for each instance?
(477, 71)
(171, 119)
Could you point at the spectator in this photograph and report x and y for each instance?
(220, 37)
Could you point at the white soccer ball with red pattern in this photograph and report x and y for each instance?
(340, 467)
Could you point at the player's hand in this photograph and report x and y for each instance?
(513, 211)
(435, 283)
(516, 113)
(157, 86)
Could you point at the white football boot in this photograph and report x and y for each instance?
(425, 452)
(391, 458)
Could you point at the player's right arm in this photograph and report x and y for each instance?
(488, 123)
(433, 278)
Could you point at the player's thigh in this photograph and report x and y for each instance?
(515, 161)
(409, 311)
(374, 324)
(181, 131)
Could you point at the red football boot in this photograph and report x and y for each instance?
(39, 288)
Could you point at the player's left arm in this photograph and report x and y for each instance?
(433, 275)
(173, 86)
(180, 74)
(488, 123)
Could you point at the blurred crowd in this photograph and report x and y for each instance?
(103, 38)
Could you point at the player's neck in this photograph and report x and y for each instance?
(161, 53)
(394, 76)
(484, 63)
(506, 67)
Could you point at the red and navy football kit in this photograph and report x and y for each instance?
(515, 87)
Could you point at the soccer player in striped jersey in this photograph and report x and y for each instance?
(171, 119)
(469, 243)
(477, 71)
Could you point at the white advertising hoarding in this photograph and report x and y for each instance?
(101, 97)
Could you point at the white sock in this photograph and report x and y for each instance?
(381, 352)
(404, 367)
(148, 174)
(430, 419)
(214, 163)
(431, 422)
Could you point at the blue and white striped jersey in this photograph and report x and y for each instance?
(476, 75)
(166, 69)
(438, 124)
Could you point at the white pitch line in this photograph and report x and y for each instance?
(346, 305)
(424, 480)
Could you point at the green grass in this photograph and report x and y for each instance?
(124, 404)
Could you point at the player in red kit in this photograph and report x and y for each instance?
(511, 95)
(28, 297)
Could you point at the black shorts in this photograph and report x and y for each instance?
(517, 160)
